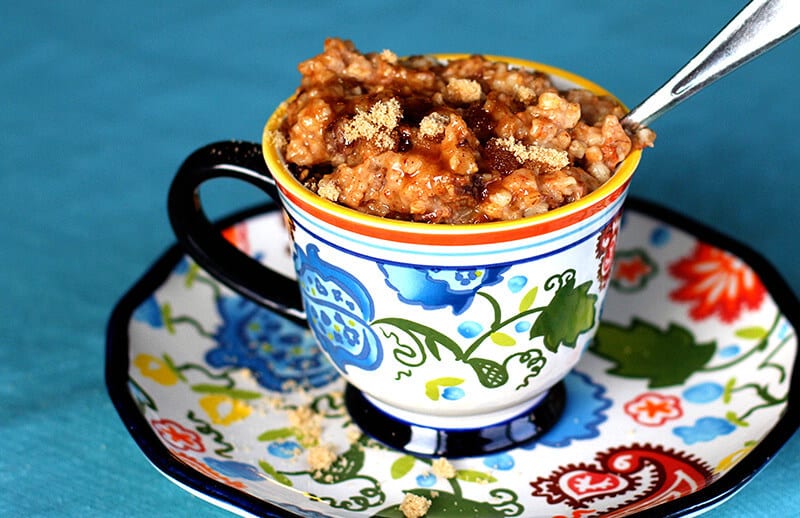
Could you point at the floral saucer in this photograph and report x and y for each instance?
(689, 388)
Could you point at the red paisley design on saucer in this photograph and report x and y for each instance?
(625, 479)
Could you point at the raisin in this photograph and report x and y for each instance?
(498, 159)
(404, 140)
(415, 109)
(479, 121)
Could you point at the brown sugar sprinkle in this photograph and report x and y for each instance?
(352, 433)
(414, 506)
(375, 125)
(441, 467)
(463, 91)
(308, 423)
(433, 125)
(453, 142)
(321, 458)
(547, 158)
(328, 190)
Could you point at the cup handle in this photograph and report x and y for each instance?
(204, 243)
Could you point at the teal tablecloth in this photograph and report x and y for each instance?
(100, 102)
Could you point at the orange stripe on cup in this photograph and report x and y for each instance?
(455, 235)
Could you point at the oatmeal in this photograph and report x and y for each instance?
(464, 141)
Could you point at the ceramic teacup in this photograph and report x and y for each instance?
(453, 338)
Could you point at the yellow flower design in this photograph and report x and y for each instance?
(155, 369)
(223, 409)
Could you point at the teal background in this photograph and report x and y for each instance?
(101, 101)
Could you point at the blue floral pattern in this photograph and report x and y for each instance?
(149, 312)
(435, 288)
(276, 350)
(585, 411)
(338, 308)
(234, 469)
(704, 429)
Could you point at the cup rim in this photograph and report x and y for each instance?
(451, 234)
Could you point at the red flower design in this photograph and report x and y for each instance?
(631, 269)
(652, 409)
(604, 249)
(238, 236)
(177, 436)
(716, 282)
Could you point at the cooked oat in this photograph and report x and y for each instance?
(464, 141)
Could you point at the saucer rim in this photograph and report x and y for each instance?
(117, 365)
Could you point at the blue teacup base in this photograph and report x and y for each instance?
(427, 441)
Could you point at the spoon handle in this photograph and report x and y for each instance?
(758, 27)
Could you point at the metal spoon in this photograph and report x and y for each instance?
(761, 25)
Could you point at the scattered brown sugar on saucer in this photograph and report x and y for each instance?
(414, 506)
(463, 141)
(321, 458)
(307, 423)
(441, 467)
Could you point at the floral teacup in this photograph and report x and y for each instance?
(453, 338)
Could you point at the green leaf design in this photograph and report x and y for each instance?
(166, 317)
(727, 393)
(143, 399)
(470, 475)
(275, 474)
(752, 333)
(502, 339)
(570, 313)
(731, 416)
(430, 337)
(533, 360)
(402, 466)
(490, 373)
(277, 434)
(203, 388)
(527, 301)
(496, 311)
(191, 274)
(448, 505)
(432, 387)
(641, 350)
